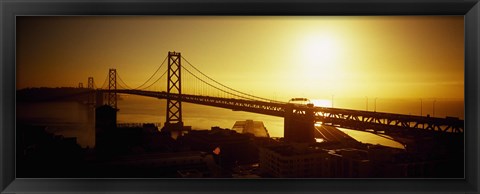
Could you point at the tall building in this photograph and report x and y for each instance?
(105, 124)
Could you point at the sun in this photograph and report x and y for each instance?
(320, 57)
(320, 51)
(318, 62)
(321, 102)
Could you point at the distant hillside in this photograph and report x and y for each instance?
(52, 94)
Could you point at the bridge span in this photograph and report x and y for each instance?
(299, 120)
(346, 118)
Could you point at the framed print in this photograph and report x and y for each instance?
(309, 96)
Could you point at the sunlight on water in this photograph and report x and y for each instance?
(366, 137)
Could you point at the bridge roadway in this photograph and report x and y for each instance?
(389, 123)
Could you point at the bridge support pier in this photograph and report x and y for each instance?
(299, 125)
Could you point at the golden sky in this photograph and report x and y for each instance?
(281, 57)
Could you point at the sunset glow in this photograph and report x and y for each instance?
(314, 57)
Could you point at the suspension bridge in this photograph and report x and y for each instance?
(179, 83)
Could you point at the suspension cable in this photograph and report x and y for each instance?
(153, 73)
(215, 86)
(104, 85)
(225, 85)
(155, 80)
(127, 87)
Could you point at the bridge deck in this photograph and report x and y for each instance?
(353, 119)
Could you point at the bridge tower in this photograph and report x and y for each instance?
(90, 83)
(80, 85)
(91, 94)
(112, 85)
(174, 86)
(298, 125)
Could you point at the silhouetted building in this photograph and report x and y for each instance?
(152, 165)
(105, 125)
(408, 165)
(44, 155)
(288, 161)
(313, 160)
(349, 163)
(253, 127)
(235, 148)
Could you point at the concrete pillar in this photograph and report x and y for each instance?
(298, 127)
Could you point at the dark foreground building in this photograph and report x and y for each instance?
(310, 161)
(233, 148)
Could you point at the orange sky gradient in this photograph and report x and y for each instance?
(281, 57)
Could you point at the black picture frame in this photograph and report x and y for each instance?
(9, 9)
